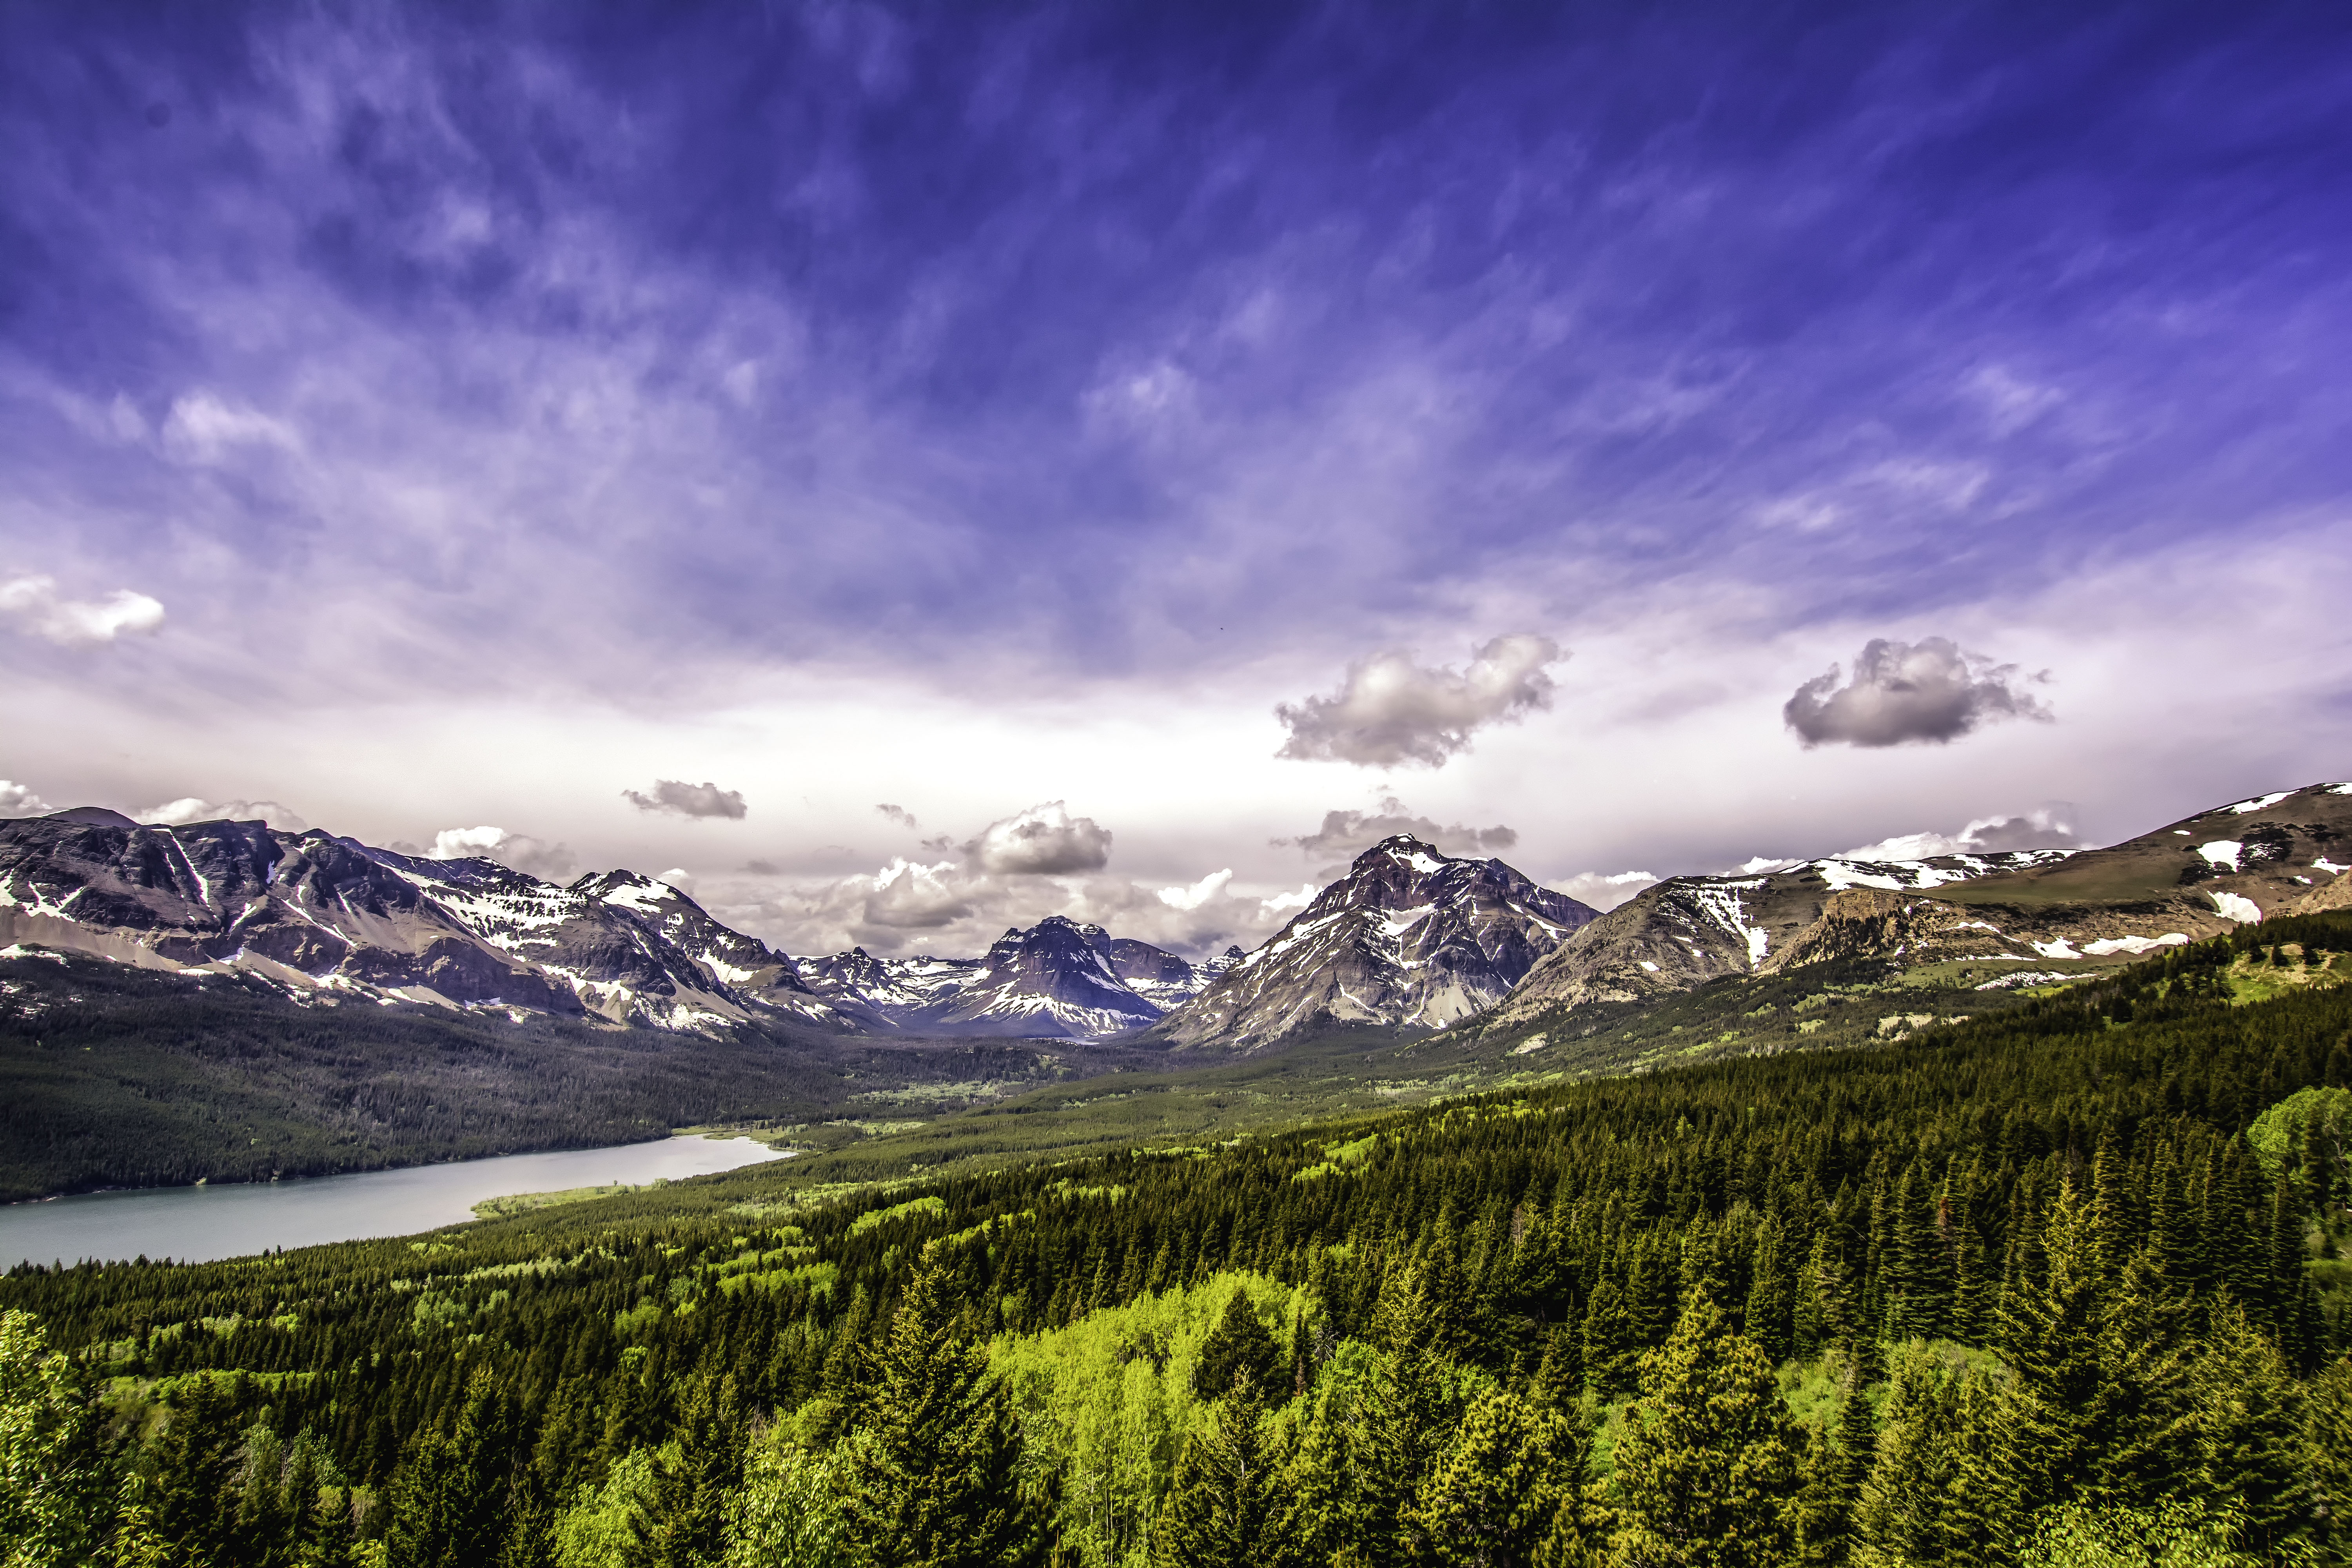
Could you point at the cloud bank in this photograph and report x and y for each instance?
(675, 798)
(1347, 834)
(38, 608)
(19, 800)
(192, 808)
(1391, 710)
(519, 851)
(2045, 828)
(1901, 693)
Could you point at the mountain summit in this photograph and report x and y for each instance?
(1408, 938)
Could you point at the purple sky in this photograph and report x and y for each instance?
(419, 422)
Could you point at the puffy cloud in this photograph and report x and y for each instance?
(679, 799)
(1602, 890)
(192, 808)
(1199, 893)
(35, 604)
(19, 800)
(1393, 710)
(679, 877)
(1347, 834)
(1926, 692)
(532, 857)
(2045, 828)
(1045, 840)
(1281, 904)
(1014, 872)
(899, 814)
(908, 895)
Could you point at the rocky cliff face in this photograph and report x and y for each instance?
(1409, 937)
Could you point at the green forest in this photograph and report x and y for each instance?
(118, 1077)
(2059, 1285)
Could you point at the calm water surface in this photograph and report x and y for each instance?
(195, 1225)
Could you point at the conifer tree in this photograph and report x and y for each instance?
(1238, 1346)
(686, 1525)
(1901, 1509)
(192, 1467)
(1220, 1502)
(1707, 1465)
(2327, 1453)
(2250, 1430)
(450, 1501)
(934, 1464)
(1499, 1495)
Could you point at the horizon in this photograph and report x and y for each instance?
(914, 473)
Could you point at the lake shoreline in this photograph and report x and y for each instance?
(281, 1177)
(211, 1221)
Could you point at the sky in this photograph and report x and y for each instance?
(903, 470)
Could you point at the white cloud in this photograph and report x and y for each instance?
(532, 857)
(1602, 890)
(1282, 903)
(36, 605)
(1927, 691)
(2044, 828)
(1347, 834)
(1392, 711)
(676, 798)
(1199, 893)
(195, 808)
(17, 800)
(1045, 840)
(679, 877)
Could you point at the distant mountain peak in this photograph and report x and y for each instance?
(1410, 937)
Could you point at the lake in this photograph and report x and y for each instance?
(197, 1224)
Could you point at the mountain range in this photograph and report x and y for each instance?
(1409, 940)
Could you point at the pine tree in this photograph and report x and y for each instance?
(451, 1498)
(2327, 1453)
(1221, 1501)
(1839, 1472)
(686, 1525)
(1498, 1496)
(1238, 1346)
(1901, 1509)
(934, 1462)
(2250, 1430)
(1708, 1468)
(191, 1468)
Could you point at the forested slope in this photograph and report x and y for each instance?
(111, 1075)
(1969, 1297)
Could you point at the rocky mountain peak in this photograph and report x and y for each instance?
(1409, 937)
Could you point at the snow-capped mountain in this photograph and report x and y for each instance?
(2180, 883)
(1056, 978)
(324, 918)
(1409, 937)
(1686, 930)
